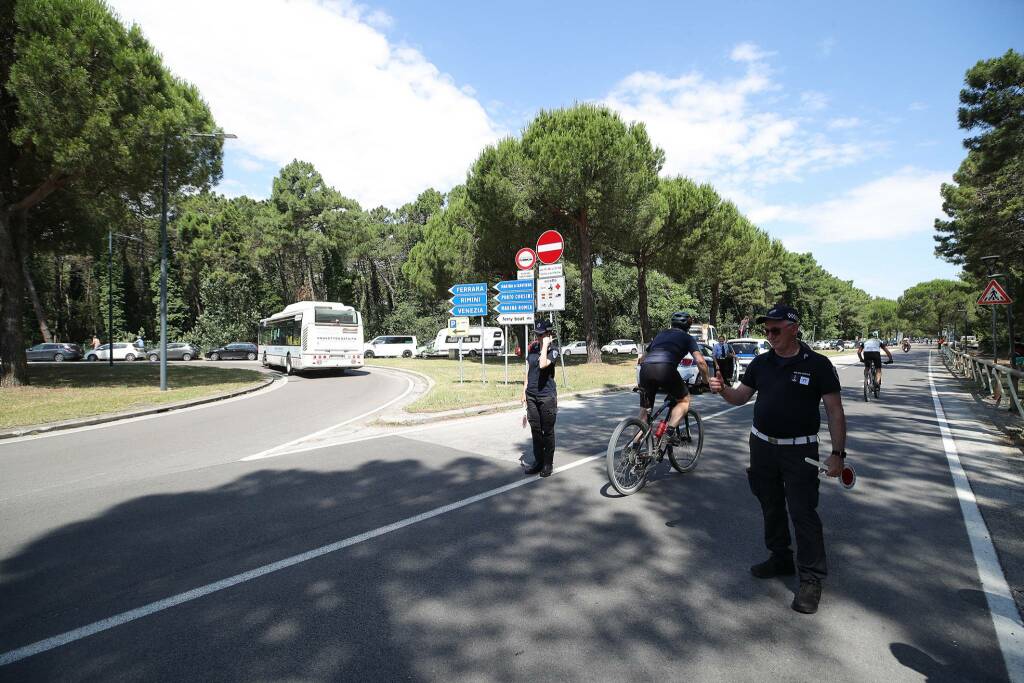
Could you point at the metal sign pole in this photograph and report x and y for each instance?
(505, 353)
(995, 357)
(483, 353)
(461, 379)
(558, 337)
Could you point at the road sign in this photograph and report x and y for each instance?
(459, 326)
(525, 274)
(473, 310)
(525, 258)
(476, 288)
(994, 295)
(508, 297)
(551, 294)
(516, 307)
(469, 299)
(552, 270)
(550, 246)
(514, 286)
(515, 319)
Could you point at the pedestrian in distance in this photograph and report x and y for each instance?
(95, 342)
(725, 357)
(791, 381)
(744, 326)
(540, 396)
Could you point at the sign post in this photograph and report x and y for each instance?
(551, 283)
(995, 295)
(467, 300)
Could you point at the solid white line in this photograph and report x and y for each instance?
(269, 453)
(202, 591)
(553, 246)
(273, 386)
(1003, 610)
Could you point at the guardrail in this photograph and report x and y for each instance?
(987, 376)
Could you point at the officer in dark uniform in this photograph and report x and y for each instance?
(791, 381)
(540, 395)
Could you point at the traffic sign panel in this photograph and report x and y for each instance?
(525, 258)
(551, 270)
(459, 326)
(525, 274)
(514, 286)
(551, 294)
(469, 299)
(468, 310)
(994, 295)
(475, 288)
(515, 319)
(505, 297)
(517, 307)
(550, 246)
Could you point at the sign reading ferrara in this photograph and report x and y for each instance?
(551, 294)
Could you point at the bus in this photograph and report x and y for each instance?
(312, 335)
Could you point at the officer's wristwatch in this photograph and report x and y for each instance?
(841, 454)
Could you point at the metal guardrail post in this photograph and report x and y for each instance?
(988, 376)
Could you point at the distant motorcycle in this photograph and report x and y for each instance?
(906, 346)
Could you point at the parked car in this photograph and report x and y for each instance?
(748, 348)
(54, 352)
(617, 346)
(388, 345)
(849, 344)
(122, 351)
(430, 350)
(233, 351)
(576, 348)
(690, 371)
(175, 351)
(821, 345)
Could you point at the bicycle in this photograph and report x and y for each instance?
(635, 447)
(871, 386)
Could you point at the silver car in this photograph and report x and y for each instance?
(175, 351)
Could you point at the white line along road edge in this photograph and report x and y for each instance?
(1003, 610)
(41, 646)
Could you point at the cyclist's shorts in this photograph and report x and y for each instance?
(873, 358)
(655, 377)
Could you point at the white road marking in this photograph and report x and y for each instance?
(73, 635)
(269, 453)
(1001, 606)
(273, 386)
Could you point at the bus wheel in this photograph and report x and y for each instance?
(288, 365)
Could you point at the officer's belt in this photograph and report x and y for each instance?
(795, 441)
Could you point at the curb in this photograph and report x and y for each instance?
(114, 417)
(404, 419)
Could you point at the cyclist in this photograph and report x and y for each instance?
(659, 370)
(906, 344)
(869, 352)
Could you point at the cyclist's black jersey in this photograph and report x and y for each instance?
(670, 346)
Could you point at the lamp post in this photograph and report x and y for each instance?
(110, 290)
(163, 250)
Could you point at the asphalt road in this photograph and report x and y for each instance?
(438, 560)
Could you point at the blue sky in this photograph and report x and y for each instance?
(831, 128)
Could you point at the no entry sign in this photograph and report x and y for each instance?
(550, 246)
(525, 258)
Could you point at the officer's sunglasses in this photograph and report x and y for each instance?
(772, 331)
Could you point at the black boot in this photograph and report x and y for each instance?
(776, 565)
(807, 597)
(548, 460)
(535, 468)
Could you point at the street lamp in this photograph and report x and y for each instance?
(110, 289)
(163, 251)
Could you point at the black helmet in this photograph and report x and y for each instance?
(681, 319)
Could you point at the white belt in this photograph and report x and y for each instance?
(796, 441)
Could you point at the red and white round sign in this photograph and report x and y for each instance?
(525, 258)
(550, 247)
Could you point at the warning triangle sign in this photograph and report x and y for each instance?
(994, 294)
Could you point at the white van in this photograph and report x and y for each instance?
(390, 345)
(704, 333)
(493, 341)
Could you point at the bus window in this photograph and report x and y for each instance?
(330, 316)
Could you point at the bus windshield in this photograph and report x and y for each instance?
(331, 316)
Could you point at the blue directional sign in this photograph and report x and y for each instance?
(514, 286)
(507, 297)
(518, 307)
(469, 300)
(471, 311)
(477, 288)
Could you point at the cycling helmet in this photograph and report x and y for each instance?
(682, 320)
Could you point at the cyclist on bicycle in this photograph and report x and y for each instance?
(659, 370)
(869, 352)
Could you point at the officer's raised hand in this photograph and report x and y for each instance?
(716, 383)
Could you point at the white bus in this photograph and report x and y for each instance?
(311, 335)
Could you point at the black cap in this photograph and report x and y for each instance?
(542, 326)
(780, 312)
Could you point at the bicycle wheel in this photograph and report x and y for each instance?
(684, 456)
(629, 453)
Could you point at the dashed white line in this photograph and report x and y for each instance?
(1001, 606)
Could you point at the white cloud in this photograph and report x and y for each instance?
(814, 101)
(844, 123)
(899, 205)
(917, 106)
(315, 80)
(731, 131)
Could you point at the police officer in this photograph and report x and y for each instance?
(791, 381)
(540, 395)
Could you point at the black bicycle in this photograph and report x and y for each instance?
(871, 386)
(636, 447)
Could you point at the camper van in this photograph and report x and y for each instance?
(493, 341)
(704, 333)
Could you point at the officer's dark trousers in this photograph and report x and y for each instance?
(542, 412)
(725, 365)
(780, 478)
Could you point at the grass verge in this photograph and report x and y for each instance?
(449, 393)
(74, 390)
